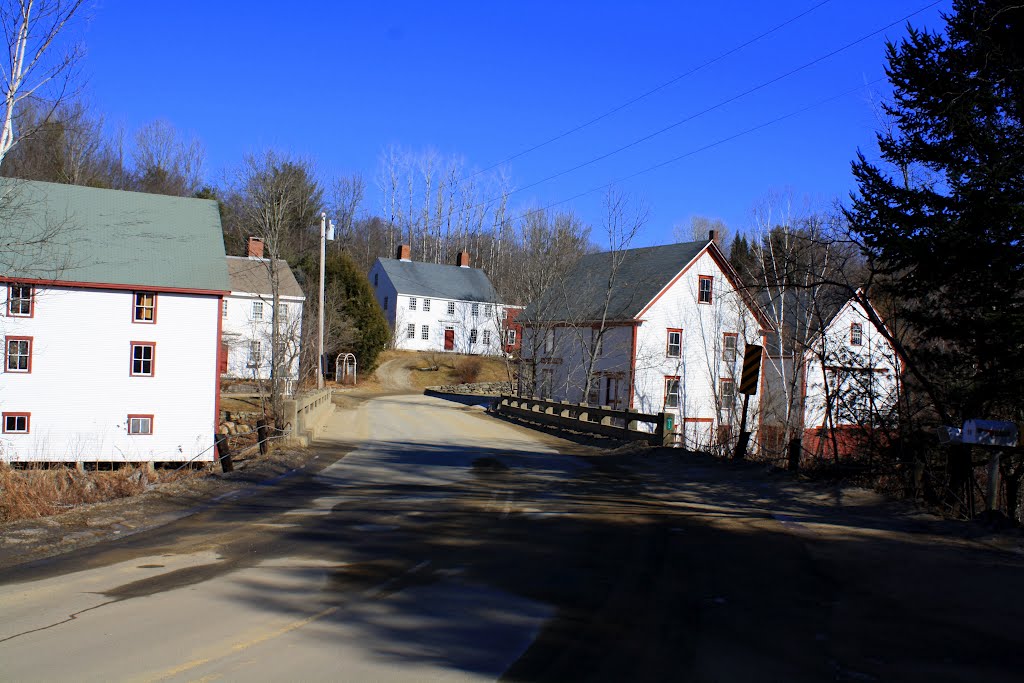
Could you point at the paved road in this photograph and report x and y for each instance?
(449, 546)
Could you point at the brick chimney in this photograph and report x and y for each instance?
(404, 252)
(255, 248)
(712, 236)
(462, 259)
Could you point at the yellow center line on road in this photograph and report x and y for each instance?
(244, 645)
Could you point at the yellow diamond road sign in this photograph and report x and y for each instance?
(751, 369)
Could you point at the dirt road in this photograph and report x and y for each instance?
(447, 545)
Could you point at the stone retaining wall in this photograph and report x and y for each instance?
(477, 389)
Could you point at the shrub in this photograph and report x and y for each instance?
(467, 370)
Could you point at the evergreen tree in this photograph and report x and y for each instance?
(944, 223)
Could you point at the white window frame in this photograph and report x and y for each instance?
(425, 332)
(475, 310)
(451, 308)
(488, 310)
(410, 331)
(139, 307)
(472, 336)
(257, 310)
(255, 353)
(510, 337)
(730, 351)
(856, 334)
(16, 298)
(412, 303)
(15, 416)
(673, 399)
(136, 424)
(27, 355)
(426, 305)
(143, 361)
(669, 345)
(487, 338)
(224, 308)
(282, 312)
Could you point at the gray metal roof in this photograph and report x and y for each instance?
(641, 275)
(435, 280)
(70, 233)
(252, 276)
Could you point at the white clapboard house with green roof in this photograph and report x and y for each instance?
(655, 328)
(438, 307)
(111, 324)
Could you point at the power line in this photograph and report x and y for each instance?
(650, 92)
(718, 105)
(704, 148)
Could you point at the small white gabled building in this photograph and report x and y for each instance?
(248, 314)
(666, 328)
(111, 324)
(852, 381)
(436, 307)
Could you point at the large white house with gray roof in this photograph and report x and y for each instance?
(111, 324)
(437, 307)
(654, 329)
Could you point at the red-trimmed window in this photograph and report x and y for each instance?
(674, 343)
(729, 347)
(727, 393)
(673, 392)
(143, 359)
(18, 354)
(856, 334)
(17, 423)
(705, 285)
(144, 308)
(20, 301)
(140, 425)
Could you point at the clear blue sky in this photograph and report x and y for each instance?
(337, 82)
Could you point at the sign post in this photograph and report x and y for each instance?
(748, 387)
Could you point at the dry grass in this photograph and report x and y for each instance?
(39, 492)
(467, 370)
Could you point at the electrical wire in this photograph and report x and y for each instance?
(713, 107)
(703, 148)
(650, 92)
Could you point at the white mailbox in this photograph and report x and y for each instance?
(990, 433)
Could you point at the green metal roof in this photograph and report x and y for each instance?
(70, 233)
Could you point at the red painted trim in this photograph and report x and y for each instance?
(131, 359)
(135, 306)
(152, 425)
(735, 350)
(711, 290)
(668, 345)
(216, 369)
(860, 330)
(28, 422)
(702, 420)
(669, 286)
(107, 285)
(31, 345)
(31, 301)
(632, 369)
(664, 397)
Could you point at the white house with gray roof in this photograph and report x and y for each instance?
(111, 324)
(656, 329)
(437, 307)
(248, 314)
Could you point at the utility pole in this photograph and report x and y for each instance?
(326, 233)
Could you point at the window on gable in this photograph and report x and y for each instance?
(145, 307)
(143, 359)
(412, 303)
(17, 423)
(672, 392)
(19, 354)
(410, 331)
(376, 277)
(425, 332)
(674, 343)
(19, 301)
(224, 308)
(426, 305)
(451, 308)
(727, 393)
(140, 424)
(729, 347)
(705, 284)
(856, 334)
(472, 336)
(257, 310)
(475, 311)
